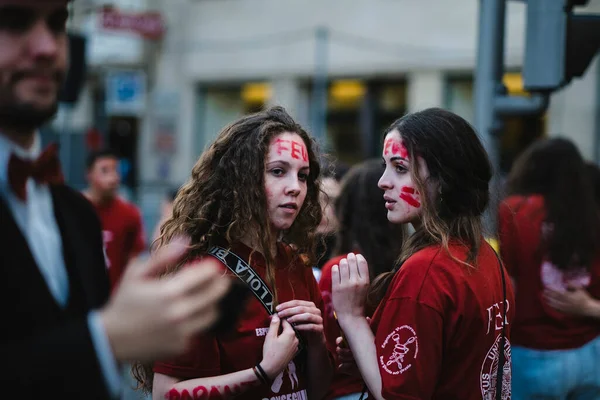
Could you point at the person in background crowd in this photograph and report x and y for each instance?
(330, 189)
(62, 336)
(549, 231)
(442, 327)
(122, 227)
(254, 192)
(363, 227)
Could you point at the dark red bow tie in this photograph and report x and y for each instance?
(46, 169)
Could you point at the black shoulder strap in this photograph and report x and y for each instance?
(246, 274)
(501, 356)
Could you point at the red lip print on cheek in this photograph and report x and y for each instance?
(395, 147)
(408, 196)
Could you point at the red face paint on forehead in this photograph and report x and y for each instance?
(296, 149)
(394, 147)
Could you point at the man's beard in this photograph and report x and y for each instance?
(21, 116)
(25, 117)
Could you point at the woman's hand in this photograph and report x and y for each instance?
(574, 301)
(279, 348)
(305, 316)
(347, 365)
(350, 285)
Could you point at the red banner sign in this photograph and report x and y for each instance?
(148, 24)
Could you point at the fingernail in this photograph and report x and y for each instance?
(278, 307)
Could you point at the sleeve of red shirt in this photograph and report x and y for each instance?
(201, 360)
(139, 239)
(409, 349)
(506, 236)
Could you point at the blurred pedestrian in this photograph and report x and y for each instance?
(363, 227)
(441, 330)
(252, 203)
(122, 227)
(549, 231)
(61, 336)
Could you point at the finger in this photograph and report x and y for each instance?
(189, 309)
(274, 327)
(163, 258)
(344, 270)
(299, 310)
(295, 303)
(362, 267)
(352, 269)
(305, 318)
(344, 354)
(339, 340)
(287, 328)
(309, 327)
(335, 278)
(190, 281)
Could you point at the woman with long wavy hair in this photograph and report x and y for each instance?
(549, 231)
(254, 193)
(441, 328)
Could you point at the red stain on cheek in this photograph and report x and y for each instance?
(408, 196)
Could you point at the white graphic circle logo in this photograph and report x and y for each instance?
(489, 371)
(399, 350)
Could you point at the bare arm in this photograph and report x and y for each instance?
(217, 387)
(278, 351)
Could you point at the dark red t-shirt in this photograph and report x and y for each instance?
(537, 325)
(241, 348)
(342, 384)
(123, 234)
(439, 327)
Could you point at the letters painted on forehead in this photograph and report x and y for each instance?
(394, 147)
(295, 148)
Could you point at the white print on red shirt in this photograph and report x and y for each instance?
(495, 316)
(489, 371)
(262, 332)
(301, 395)
(559, 280)
(291, 373)
(107, 237)
(399, 350)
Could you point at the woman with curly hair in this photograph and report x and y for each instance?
(254, 193)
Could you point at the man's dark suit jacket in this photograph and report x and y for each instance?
(46, 351)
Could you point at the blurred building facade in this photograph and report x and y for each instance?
(367, 61)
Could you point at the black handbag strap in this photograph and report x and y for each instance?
(240, 268)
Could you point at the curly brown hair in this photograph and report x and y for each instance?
(225, 198)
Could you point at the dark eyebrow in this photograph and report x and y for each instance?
(398, 158)
(285, 163)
